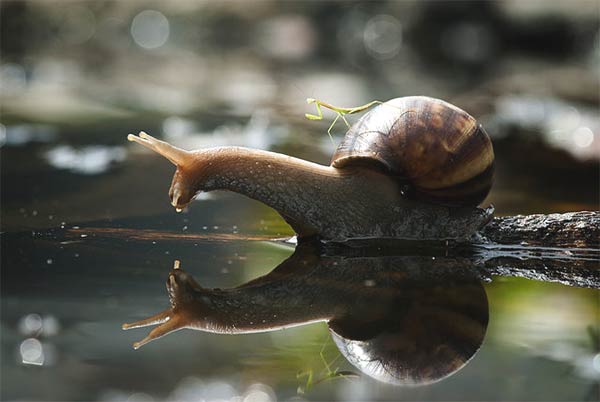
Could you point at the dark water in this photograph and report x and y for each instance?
(84, 289)
(88, 237)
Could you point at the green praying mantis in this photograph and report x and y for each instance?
(341, 112)
(330, 374)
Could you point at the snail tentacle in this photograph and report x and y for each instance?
(159, 318)
(177, 156)
(172, 325)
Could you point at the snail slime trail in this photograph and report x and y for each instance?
(414, 176)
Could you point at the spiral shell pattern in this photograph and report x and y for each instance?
(435, 148)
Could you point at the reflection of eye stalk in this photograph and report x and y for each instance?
(399, 319)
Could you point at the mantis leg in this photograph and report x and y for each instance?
(345, 121)
(362, 108)
(313, 116)
(309, 380)
(322, 354)
(331, 127)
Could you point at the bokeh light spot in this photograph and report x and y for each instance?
(468, 42)
(140, 397)
(259, 393)
(2, 134)
(79, 24)
(596, 362)
(12, 79)
(383, 36)
(89, 160)
(32, 352)
(150, 29)
(583, 137)
(30, 324)
(50, 326)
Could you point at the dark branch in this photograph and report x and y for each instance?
(572, 229)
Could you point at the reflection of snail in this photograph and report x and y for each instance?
(427, 329)
(411, 168)
(405, 320)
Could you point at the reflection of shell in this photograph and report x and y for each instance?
(422, 335)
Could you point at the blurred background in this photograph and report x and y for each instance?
(77, 77)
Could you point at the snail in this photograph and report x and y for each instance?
(411, 168)
(401, 319)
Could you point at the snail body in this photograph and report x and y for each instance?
(412, 168)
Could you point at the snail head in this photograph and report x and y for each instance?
(185, 180)
(186, 300)
(182, 289)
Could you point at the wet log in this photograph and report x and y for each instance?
(562, 248)
(572, 229)
(579, 271)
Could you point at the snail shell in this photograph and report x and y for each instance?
(435, 148)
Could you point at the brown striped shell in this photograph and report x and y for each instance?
(439, 150)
